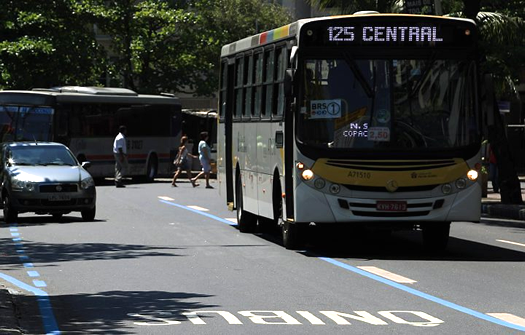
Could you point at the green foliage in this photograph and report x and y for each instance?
(224, 21)
(46, 43)
(151, 45)
(352, 6)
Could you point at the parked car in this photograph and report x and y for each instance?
(44, 178)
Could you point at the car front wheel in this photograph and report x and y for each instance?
(88, 214)
(10, 214)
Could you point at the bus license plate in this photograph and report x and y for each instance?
(391, 206)
(59, 197)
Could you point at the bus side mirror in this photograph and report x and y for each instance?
(288, 79)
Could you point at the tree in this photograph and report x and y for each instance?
(152, 48)
(225, 21)
(352, 6)
(175, 45)
(46, 43)
(501, 38)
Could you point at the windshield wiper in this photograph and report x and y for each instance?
(355, 69)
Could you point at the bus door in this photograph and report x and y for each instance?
(227, 105)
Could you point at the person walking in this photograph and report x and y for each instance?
(493, 171)
(204, 158)
(182, 162)
(120, 152)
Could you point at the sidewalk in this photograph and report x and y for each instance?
(491, 205)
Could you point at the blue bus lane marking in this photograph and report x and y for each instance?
(44, 304)
(385, 281)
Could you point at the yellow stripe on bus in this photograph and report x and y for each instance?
(378, 173)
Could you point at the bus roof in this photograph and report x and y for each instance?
(81, 94)
(291, 30)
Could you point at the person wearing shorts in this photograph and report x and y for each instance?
(185, 164)
(204, 158)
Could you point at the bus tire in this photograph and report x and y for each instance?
(246, 221)
(292, 238)
(272, 225)
(152, 169)
(435, 236)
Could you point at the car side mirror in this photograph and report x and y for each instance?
(86, 164)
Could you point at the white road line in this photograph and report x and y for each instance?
(510, 242)
(197, 208)
(166, 198)
(234, 220)
(387, 274)
(511, 318)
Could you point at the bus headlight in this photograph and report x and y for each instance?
(307, 174)
(335, 188)
(319, 183)
(473, 175)
(461, 183)
(446, 189)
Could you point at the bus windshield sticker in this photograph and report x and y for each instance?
(36, 110)
(325, 109)
(379, 134)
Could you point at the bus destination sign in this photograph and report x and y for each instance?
(373, 34)
(376, 33)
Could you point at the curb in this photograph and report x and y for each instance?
(515, 212)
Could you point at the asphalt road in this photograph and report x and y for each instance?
(163, 260)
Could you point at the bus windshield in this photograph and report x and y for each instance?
(393, 104)
(21, 123)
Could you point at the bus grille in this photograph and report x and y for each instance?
(421, 188)
(369, 209)
(370, 165)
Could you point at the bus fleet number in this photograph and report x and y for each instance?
(359, 174)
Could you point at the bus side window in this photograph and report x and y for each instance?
(224, 79)
(248, 85)
(279, 85)
(269, 61)
(259, 71)
(239, 100)
(62, 121)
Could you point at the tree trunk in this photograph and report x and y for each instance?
(471, 8)
(509, 183)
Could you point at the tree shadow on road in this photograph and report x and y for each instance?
(113, 312)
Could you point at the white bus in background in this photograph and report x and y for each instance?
(364, 120)
(195, 121)
(86, 119)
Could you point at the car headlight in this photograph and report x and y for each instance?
(87, 183)
(22, 185)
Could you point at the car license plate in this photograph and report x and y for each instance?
(391, 206)
(59, 197)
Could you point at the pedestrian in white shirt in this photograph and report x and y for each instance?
(120, 152)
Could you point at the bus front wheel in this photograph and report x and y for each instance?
(435, 235)
(246, 221)
(292, 238)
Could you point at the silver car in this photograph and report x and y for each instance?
(44, 178)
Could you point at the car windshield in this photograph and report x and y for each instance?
(40, 155)
(399, 104)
